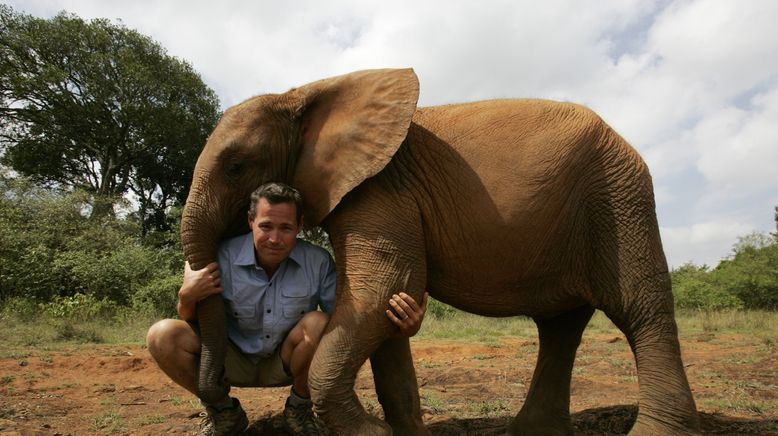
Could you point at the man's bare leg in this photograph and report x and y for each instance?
(175, 346)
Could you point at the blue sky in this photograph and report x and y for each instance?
(692, 85)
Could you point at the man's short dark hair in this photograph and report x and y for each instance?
(275, 193)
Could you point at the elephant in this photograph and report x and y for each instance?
(500, 208)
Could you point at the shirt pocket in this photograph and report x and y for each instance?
(295, 300)
(246, 316)
(295, 310)
(294, 291)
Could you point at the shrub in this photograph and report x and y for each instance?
(694, 288)
(158, 297)
(50, 249)
(23, 309)
(440, 310)
(751, 273)
(79, 307)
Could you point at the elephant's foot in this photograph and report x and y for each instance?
(408, 426)
(366, 426)
(349, 418)
(541, 422)
(668, 424)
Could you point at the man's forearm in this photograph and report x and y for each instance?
(187, 311)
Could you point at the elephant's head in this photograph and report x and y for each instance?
(324, 138)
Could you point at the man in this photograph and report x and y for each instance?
(271, 284)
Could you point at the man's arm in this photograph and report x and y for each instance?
(406, 314)
(196, 286)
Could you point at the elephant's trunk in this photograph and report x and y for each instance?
(200, 239)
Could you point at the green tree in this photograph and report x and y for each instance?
(694, 287)
(100, 107)
(751, 273)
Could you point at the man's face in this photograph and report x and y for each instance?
(274, 229)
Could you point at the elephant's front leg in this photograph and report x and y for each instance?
(379, 251)
(347, 342)
(354, 334)
(396, 386)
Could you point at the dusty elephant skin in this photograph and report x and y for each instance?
(499, 208)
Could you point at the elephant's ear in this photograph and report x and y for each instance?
(351, 126)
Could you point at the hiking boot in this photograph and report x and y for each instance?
(226, 422)
(300, 420)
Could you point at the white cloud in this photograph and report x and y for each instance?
(706, 242)
(739, 149)
(724, 44)
(692, 84)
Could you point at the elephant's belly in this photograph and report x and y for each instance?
(504, 292)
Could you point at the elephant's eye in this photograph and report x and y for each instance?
(233, 169)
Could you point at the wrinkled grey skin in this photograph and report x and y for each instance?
(499, 208)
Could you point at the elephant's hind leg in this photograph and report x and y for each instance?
(631, 284)
(666, 403)
(546, 410)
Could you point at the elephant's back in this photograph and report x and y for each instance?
(524, 142)
(511, 156)
(520, 119)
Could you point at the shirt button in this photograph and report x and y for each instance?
(268, 311)
(267, 336)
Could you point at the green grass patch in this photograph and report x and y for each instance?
(44, 332)
(700, 325)
(739, 403)
(753, 322)
(432, 402)
(469, 327)
(110, 421)
(153, 419)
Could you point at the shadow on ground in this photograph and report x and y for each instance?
(613, 420)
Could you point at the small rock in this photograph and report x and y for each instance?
(106, 388)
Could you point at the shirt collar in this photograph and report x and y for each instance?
(246, 255)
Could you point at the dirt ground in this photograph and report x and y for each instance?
(465, 388)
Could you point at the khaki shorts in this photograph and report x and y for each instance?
(241, 371)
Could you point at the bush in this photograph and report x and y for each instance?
(79, 307)
(51, 251)
(158, 297)
(748, 279)
(695, 288)
(751, 273)
(23, 309)
(440, 310)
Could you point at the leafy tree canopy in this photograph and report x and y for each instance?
(100, 107)
(747, 279)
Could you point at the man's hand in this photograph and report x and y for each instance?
(406, 313)
(197, 285)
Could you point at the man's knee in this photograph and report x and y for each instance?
(168, 334)
(313, 324)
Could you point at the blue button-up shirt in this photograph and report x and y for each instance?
(262, 310)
